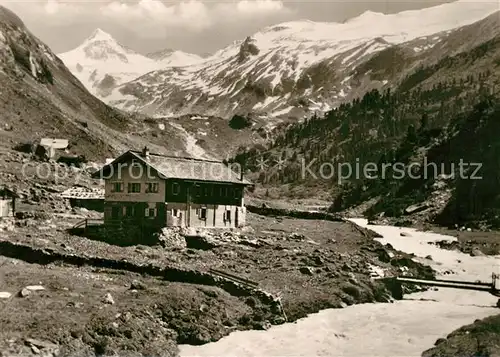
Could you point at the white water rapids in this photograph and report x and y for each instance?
(403, 328)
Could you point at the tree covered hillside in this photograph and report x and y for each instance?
(473, 188)
(427, 109)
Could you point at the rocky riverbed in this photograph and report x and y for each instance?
(100, 297)
(404, 328)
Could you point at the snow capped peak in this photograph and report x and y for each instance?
(270, 59)
(174, 58)
(101, 60)
(159, 55)
(100, 35)
(101, 47)
(367, 16)
(392, 28)
(291, 26)
(179, 59)
(184, 58)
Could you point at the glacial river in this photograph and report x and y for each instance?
(403, 328)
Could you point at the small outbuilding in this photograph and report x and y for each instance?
(85, 197)
(52, 145)
(7, 202)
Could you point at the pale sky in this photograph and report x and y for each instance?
(197, 26)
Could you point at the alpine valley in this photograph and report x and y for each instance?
(423, 150)
(286, 71)
(290, 103)
(404, 90)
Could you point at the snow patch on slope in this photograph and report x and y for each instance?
(101, 57)
(191, 147)
(174, 58)
(285, 52)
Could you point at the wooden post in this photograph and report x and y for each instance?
(188, 207)
(277, 298)
(282, 309)
(14, 206)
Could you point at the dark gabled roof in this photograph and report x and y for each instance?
(172, 167)
(8, 192)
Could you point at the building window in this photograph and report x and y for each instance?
(128, 211)
(134, 187)
(227, 216)
(237, 192)
(150, 212)
(136, 170)
(176, 188)
(115, 212)
(203, 213)
(175, 212)
(117, 187)
(152, 187)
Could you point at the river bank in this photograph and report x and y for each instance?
(482, 338)
(310, 264)
(406, 327)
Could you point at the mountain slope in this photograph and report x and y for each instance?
(297, 67)
(173, 58)
(454, 177)
(39, 93)
(41, 98)
(101, 63)
(378, 127)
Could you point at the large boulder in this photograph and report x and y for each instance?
(172, 237)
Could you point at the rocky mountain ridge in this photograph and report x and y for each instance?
(441, 112)
(40, 94)
(171, 57)
(101, 62)
(293, 69)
